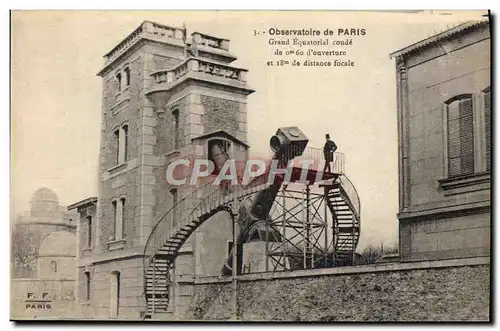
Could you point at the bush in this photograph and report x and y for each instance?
(371, 254)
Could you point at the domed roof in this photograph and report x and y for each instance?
(59, 243)
(44, 195)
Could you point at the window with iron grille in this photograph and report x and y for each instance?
(460, 136)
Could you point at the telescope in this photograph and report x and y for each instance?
(287, 143)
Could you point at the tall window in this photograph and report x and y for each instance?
(487, 125)
(114, 206)
(121, 227)
(125, 142)
(460, 136)
(117, 145)
(118, 207)
(127, 76)
(87, 286)
(121, 143)
(89, 231)
(115, 294)
(119, 81)
(175, 214)
(175, 123)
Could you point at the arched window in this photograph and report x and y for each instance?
(53, 265)
(487, 125)
(460, 138)
(175, 124)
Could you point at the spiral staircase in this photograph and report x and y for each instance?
(166, 239)
(343, 202)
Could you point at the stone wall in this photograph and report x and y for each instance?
(49, 299)
(221, 114)
(451, 290)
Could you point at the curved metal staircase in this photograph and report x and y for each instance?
(343, 202)
(165, 240)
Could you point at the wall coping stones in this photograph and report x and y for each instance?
(399, 266)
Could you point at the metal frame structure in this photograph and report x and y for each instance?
(298, 233)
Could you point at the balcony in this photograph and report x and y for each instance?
(197, 69)
(147, 30)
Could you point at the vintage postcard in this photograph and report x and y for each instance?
(324, 166)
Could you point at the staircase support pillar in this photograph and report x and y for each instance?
(235, 269)
(153, 284)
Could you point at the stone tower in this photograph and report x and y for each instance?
(166, 95)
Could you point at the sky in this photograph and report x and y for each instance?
(56, 95)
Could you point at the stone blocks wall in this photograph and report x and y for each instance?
(61, 294)
(221, 114)
(368, 293)
(131, 288)
(459, 236)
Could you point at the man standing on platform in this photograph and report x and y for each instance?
(328, 150)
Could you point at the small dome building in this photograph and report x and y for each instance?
(56, 256)
(36, 227)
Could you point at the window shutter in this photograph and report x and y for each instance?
(487, 127)
(467, 136)
(460, 138)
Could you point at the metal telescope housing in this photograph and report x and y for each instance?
(287, 143)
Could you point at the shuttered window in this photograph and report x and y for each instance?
(460, 136)
(487, 125)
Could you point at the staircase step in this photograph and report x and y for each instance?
(167, 251)
(157, 272)
(160, 264)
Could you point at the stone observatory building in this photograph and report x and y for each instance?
(43, 258)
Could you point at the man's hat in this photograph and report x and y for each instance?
(327, 136)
